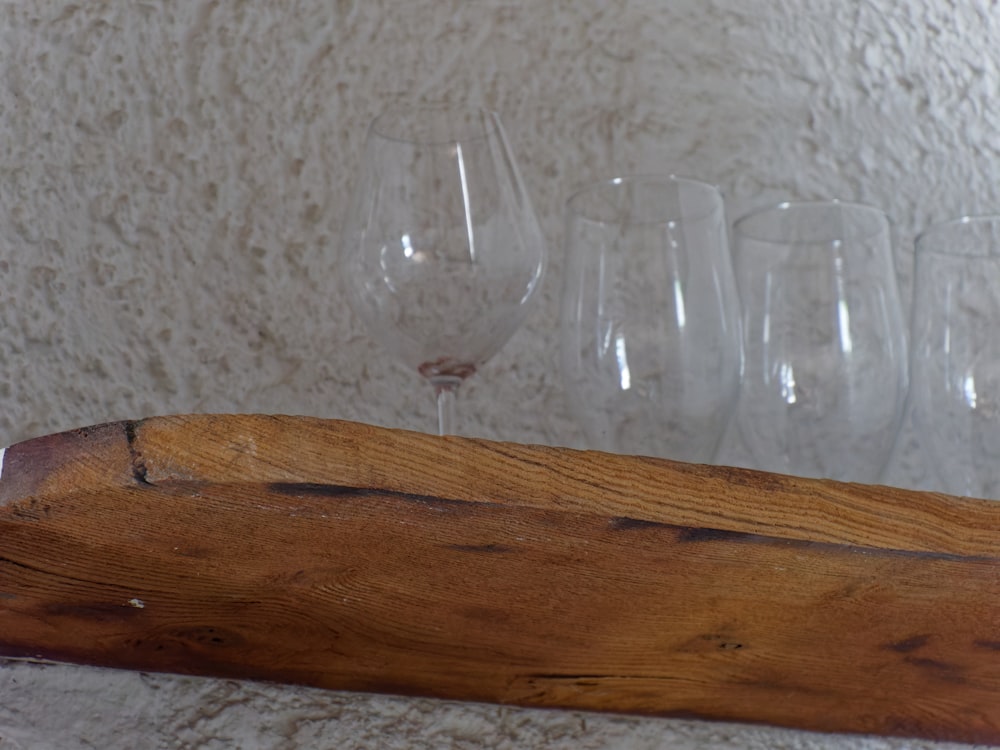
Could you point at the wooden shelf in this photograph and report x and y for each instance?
(346, 556)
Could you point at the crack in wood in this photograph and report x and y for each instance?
(318, 489)
(139, 470)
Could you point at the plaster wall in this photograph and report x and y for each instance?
(172, 181)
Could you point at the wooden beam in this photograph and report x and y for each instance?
(347, 556)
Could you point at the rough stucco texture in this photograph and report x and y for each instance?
(173, 180)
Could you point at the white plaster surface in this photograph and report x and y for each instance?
(172, 178)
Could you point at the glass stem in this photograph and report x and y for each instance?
(446, 388)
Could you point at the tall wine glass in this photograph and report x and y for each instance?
(649, 332)
(825, 377)
(442, 248)
(955, 397)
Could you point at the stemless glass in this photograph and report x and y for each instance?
(955, 398)
(649, 327)
(442, 248)
(825, 374)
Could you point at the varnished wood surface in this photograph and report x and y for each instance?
(347, 556)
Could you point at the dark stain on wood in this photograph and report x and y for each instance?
(699, 534)
(711, 642)
(940, 669)
(988, 645)
(16, 564)
(624, 523)
(209, 635)
(317, 489)
(908, 645)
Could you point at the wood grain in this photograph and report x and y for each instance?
(352, 557)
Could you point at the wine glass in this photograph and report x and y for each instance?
(955, 398)
(442, 248)
(649, 325)
(825, 375)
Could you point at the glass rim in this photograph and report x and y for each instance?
(463, 133)
(921, 246)
(740, 225)
(650, 178)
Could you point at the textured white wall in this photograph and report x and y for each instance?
(172, 177)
